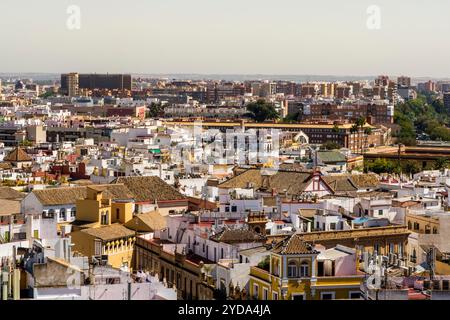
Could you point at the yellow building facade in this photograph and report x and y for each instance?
(98, 229)
(292, 274)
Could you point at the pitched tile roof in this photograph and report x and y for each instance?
(10, 193)
(238, 235)
(111, 232)
(5, 166)
(293, 182)
(364, 181)
(147, 222)
(9, 207)
(59, 196)
(293, 245)
(150, 189)
(340, 183)
(201, 203)
(17, 155)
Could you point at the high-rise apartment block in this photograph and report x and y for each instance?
(70, 84)
(404, 81)
(94, 81)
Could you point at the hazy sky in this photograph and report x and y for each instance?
(227, 36)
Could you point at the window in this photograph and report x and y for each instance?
(62, 214)
(304, 269)
(333, 226)
(227, 209)
(414, 256)
(221, 253)
(274, 295)
(98, 248)
(276, 268)
(48, 214)
(376, 248)
(298, 297)
(104, 218)
(73, 212)
(255, 291)
(409, 225)
(380, 212)
(391, 248)
(355, 295)
(265, 294)
(400, 249)
(326, 295)
(233, 208)
(292, 269)
(117, 214)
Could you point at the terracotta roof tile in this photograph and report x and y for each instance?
(59, 196)
(17, 155)
(150, 188)
(294, 245)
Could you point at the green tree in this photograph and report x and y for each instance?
(47, 95)
(382, 166)
(441, 163)
(291, 118)
(411, 167)
(335, 128)
(26, 143)
(156, 109)
(330, 145)
(426, 114)
(261, 111)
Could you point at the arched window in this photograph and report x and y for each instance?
(62, 214)
(414, 256)
(292, 269)
(304, 269)
(104, 218)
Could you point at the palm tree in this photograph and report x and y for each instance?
(367, 133)
(360, 123)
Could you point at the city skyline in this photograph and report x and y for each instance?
(255, 37)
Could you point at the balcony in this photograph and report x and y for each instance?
(260, 273)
